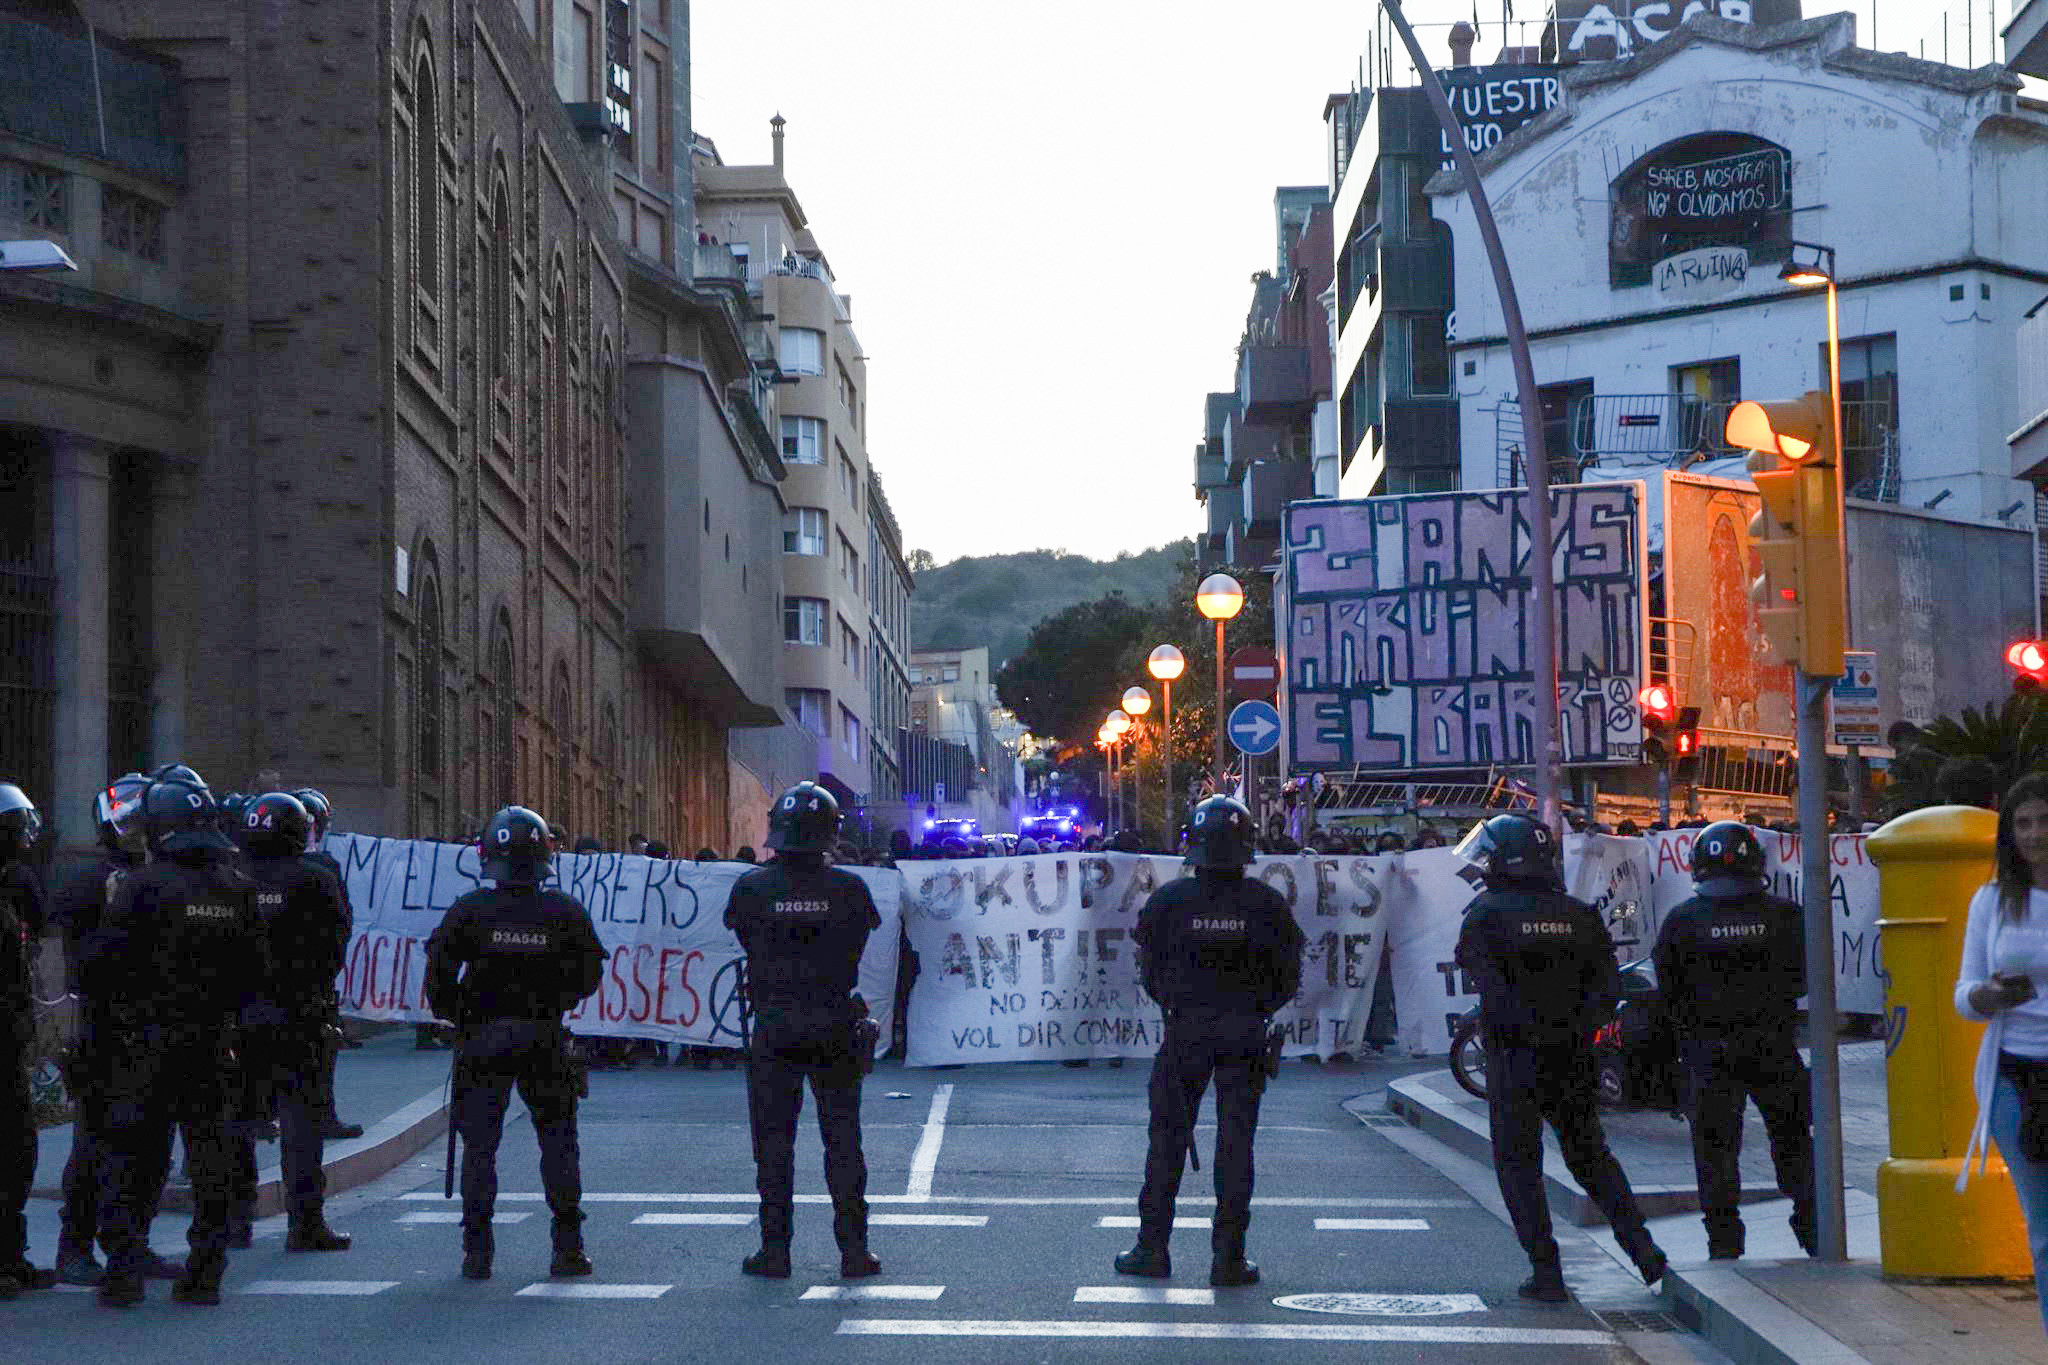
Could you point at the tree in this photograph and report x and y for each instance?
(2012, 738)
(920, 561)
(1073, 668)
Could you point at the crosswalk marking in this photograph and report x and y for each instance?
(554, 1289)
(928, 1220)
(924, 1293)
(1372, 1225)
(1126, 1221)
(1145, 1293)
(344, 1287)
(1227, 1331)
(678, 1220)
(455, 1216)
(925, 1160)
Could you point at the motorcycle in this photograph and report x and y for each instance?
(1634, 1050)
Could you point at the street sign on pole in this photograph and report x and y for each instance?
(1853, 715)
(1254, 727)
(1254, 673)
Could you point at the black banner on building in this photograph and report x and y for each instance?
(1707, 190)
(1492, 101)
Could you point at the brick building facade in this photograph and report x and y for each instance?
(358, 470)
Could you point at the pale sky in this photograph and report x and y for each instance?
(1048, 218)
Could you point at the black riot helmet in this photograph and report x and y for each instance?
(1512, 848)
(117, 809)
(805, 820)
(20, 824)
(1728, 851)
(316, 804)
(233, 807)
(275, 825)
(1220, 834)
(180, 816)
(176, 772)
(516, 848)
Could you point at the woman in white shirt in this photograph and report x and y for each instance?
(2005, 963)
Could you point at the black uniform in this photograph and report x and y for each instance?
(1220, 952)
(169, 969)
(79, 903)
(306, 929)
(803, 926)
(21, 921)
(531, 955)
(331, 1122)
(1731, 964)
(1545, 970)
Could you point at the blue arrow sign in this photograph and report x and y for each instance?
(1254, 727)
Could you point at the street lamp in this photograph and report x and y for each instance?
(1808, 265)
(1116, 723)
(1103, 739)
(1166, 664)
(1136, 702)
(1219, 598)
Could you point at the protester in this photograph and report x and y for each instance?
(2005, 959)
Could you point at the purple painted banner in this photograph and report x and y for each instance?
(1405, 637)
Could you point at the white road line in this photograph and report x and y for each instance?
(929, 1220)
(1127, 1221)
(1372, 1225)
(694, 1220)
(1227, 1331)
(924, 1293)
(1260, 1201)
(1145, 1293)
(555, 1289)
(455, 1216)
(925, 1160)
(350, 1287)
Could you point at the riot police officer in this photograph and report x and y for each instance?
(322, 813)
(505, 964)
(1731, 964)
(80, 900)
(803, 926)
(1220, 952)
(167, 968)
(1544, 967)
(21, 924)
(306, 930)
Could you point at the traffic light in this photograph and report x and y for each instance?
(1660, 709)
(2030, 657)
(1797, 534)
(1685, 743)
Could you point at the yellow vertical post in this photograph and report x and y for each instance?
(1929, 863)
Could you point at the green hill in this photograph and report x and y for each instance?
(994, 600)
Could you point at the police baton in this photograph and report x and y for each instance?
(1181, 1114)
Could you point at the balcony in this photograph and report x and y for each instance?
(717, 261)
(1273, 382)
(1209, 466)
(1269, 486)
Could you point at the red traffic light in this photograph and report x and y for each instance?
(2028, 656)
(1686, 743)
(1660, 706)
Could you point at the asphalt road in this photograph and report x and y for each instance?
(997, 1194)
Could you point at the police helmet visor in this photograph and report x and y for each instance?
(20, 824)
(1475, 852)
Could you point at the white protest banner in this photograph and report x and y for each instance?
(672, 967)
(1029, 959)
(1426, 900)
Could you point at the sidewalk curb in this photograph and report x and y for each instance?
(1746, 1323)
(1422, 1107)
(357, 1161)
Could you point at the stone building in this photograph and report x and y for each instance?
(385, 319)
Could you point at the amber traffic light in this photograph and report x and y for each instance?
(1797, 533)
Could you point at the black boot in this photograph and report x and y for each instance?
(771, 1261)
(1146, 1260)
(311, 1233)
(200, 1284)
(1725, 1240)
(77, 1265)
(569, 1260)
(1229, 1268)
(121, 1289)
(477, 1246)
(241, 1229)
(1807, 1229)
(1545, 1284)
(850, 1229)
(1648, 1256)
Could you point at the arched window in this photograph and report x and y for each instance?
(561, 437)
(610, 781)
(427, 669)
(605, 457)
(550, 352)
(504, 683)
(497, 290)
(426, 166)
(561, 717)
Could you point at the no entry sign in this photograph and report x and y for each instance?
(1253, 673)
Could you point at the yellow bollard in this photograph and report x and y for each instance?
(1930, 862)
